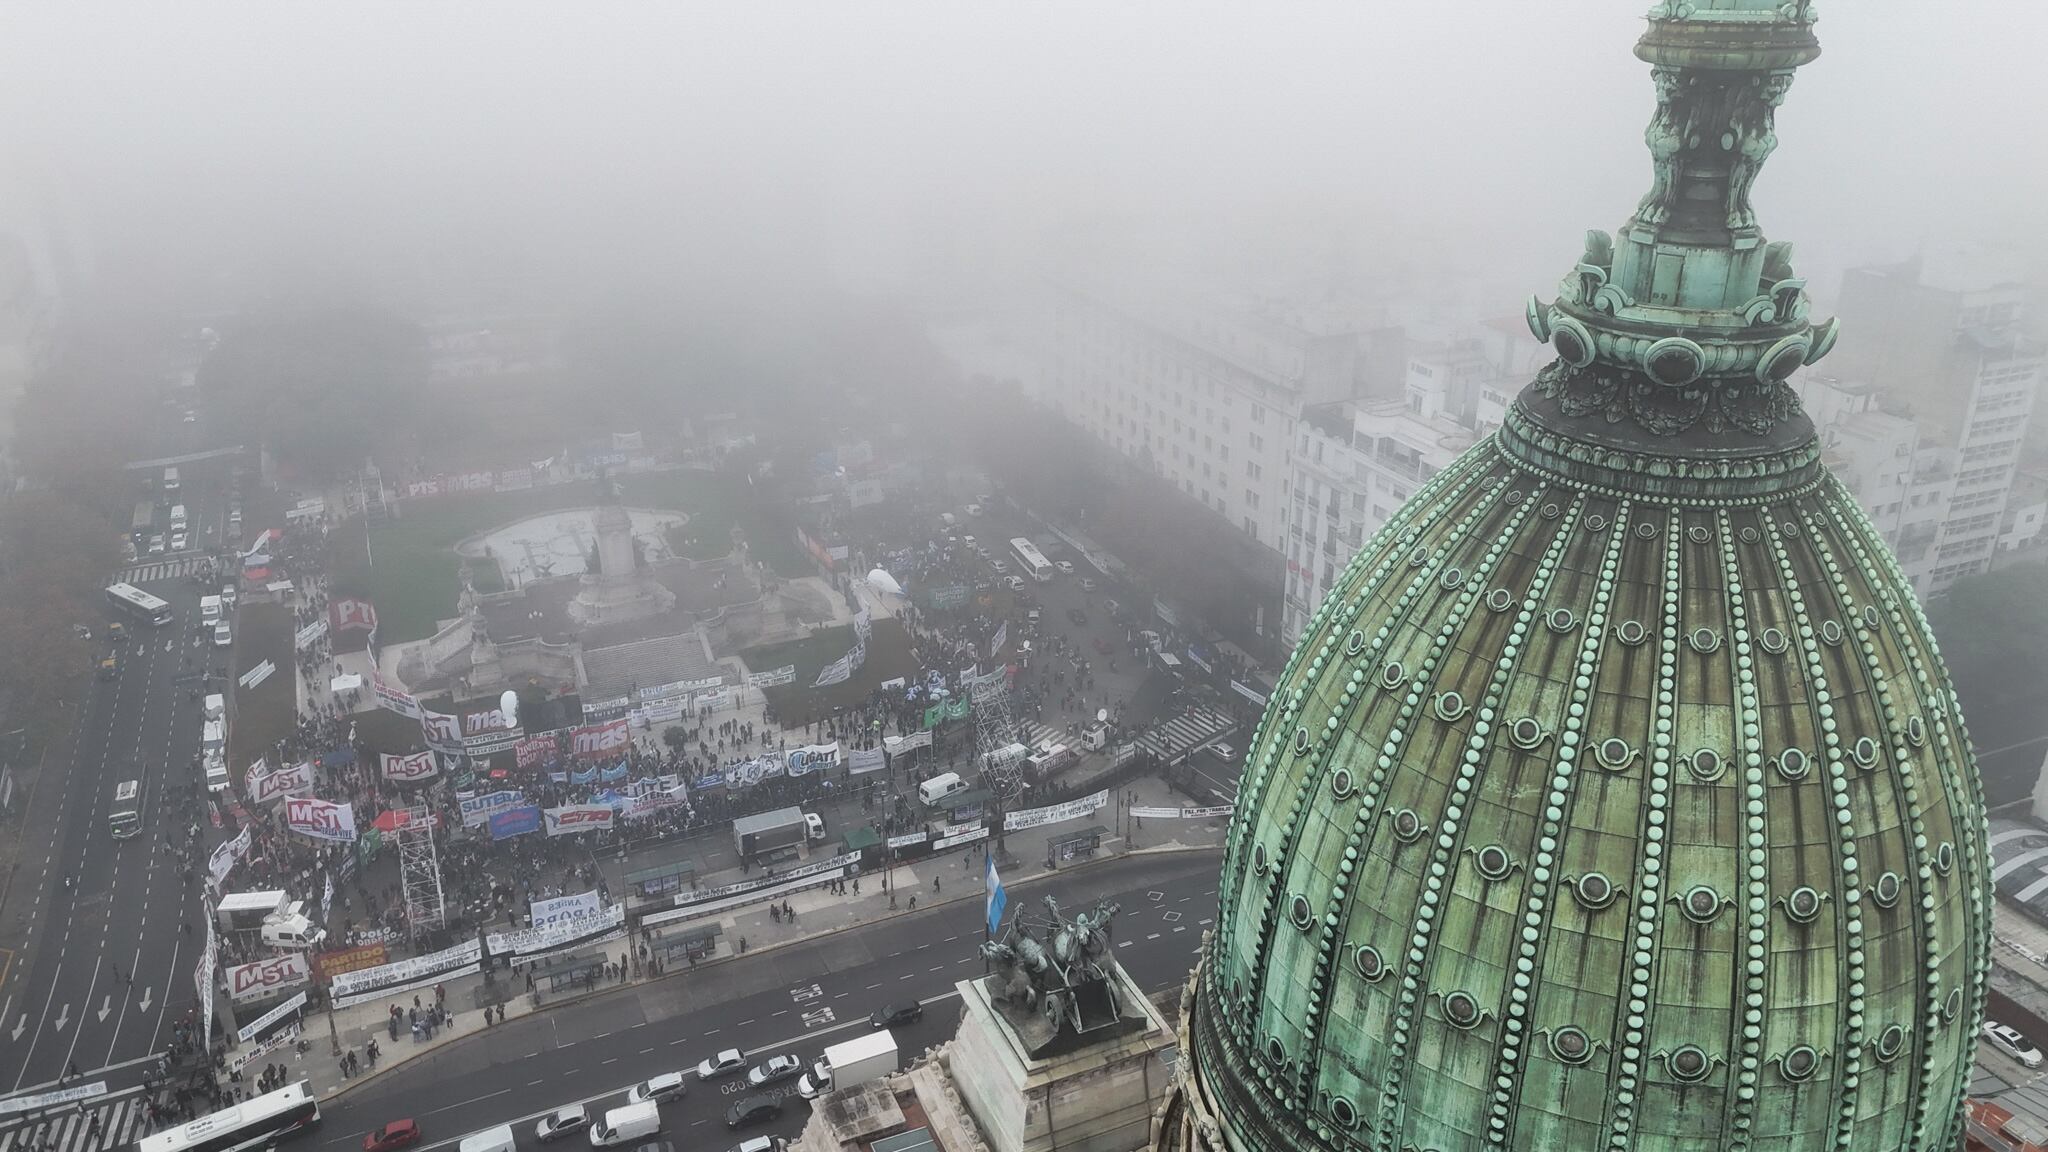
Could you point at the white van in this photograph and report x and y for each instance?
(631, 1122)
(939, 787)
(223, 634)
(497, 1139)
(216, 708)
(217, 779)
(209, 609)
(293, 933)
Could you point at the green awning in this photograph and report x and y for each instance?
(662, 872)
(862, 837)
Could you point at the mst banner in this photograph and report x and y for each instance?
(320, 820)
(270, 787)
(248, 981)
(407, 769)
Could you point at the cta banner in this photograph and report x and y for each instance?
(346, 614)
(390, 696)
(264, 977)
(408, 769)
(774, 677)
(600, 739)
(1054, 813)
(478, 809)
(319, 819)
(574, 818)
(328, 965)
(515, 821)
(548, 913)
(865, 760)
(272, 786)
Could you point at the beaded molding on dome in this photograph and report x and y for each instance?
(1695, 481)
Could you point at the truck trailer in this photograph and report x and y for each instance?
(768, 832)
(850, 1063)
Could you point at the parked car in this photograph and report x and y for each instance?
(752, 1110)
(999, 567)
(2009, 1041)
(1014, 583)
(156, 545)
(896, 1015)
(392, 1136)
(1066, 567)
(774, 1070)
(755, 1144)
(561, 1122)
(180, 541)
(667, 1086)
(969, 541)
(1077, 617)
(724, 1064)
(1088, 584)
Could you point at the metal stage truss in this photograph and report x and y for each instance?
(995, 729)
(419, 872)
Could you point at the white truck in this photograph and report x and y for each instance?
(246, 911)
(848, 1063)
(769, 832)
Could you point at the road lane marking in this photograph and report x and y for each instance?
(463, 1103)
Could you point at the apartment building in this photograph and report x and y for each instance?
(1942, 340)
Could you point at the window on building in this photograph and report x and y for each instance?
(1251, 499)
(1252, 469)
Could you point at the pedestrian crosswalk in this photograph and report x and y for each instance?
(1172, 738)
(1037, 735)
(121, 1121)
(176, 568)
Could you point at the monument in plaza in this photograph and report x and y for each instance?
(1616, 796)
(618, 584)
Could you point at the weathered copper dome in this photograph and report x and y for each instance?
(1616, 797)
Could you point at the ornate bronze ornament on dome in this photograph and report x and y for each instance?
(1493, 862)
(1804, 904)
(1700, 904)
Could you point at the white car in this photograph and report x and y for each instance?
(560, 1123)
(967, 540)
(1066, 567)
(667, 1086)
(814, 826)
(223, 635)
(724, 1064)
(2010, 1042)
(756, 1144)
(998, 567)
(775, 1070)
(156, 545)
(180, 541)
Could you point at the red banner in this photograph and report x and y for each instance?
(535, 751)
(345, 613)
(328, 965)
(600, 739)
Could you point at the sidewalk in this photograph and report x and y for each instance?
(816, 912)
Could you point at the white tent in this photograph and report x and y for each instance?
(884, 583)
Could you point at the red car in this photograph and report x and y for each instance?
(395, 1135)
(1103, 647)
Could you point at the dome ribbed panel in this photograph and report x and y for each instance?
(1588, 818)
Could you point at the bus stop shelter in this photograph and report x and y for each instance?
(662, 879)
(695, 944)
(571, 973)
(1068, 845)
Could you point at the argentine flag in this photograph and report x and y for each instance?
(997, 898)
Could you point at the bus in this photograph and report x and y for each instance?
(135, 602)
(258, 1122)
(126, 815)
(1035, 564)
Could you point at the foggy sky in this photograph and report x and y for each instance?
(868, 136)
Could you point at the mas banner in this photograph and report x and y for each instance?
(408, 769)
(392, 697)
(774, 677)
(573, 818)
(865, 760)
(515, 822)
(347, 613)
(264, 977)
(600, 739)
(319, 819)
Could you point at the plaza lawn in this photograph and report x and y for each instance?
(799, 703)
(409, 567)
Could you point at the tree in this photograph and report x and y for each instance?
(1993, 631)
(321, 386)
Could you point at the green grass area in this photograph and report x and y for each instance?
(799, 703)
(408, 568)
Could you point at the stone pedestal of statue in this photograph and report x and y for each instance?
(1091, 1096)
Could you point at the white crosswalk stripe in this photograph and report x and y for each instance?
(1175, 736)
(174, 569)
(1037, 734)
(122, 1120)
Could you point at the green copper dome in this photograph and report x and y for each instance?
(1616, 796)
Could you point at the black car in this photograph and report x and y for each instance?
(1079, 617)
(752, 1110)
(892, 1015)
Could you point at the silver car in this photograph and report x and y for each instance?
(775, 1070)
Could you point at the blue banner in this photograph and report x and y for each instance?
(515, 822)
(586, 776)
(558, 777)
(340, 757)
(615, 774)
(710, 780)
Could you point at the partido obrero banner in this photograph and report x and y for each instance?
(367, 983)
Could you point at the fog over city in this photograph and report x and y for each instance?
(992, 575)
(399, 139)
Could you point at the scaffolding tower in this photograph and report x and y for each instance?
(996, 728)
(419, 872)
